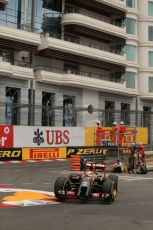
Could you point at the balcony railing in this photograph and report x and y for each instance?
(16, 62)
(104, 76)
(95, 16)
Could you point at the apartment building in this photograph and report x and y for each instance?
(57, 57)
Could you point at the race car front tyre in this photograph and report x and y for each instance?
(60, 185)
(109, 188)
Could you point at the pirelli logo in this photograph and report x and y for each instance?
(10, 154)
(44, 153)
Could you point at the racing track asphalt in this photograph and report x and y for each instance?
(131, 210)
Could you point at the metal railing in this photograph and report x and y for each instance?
(16, 62)
(95, 16)
(102, 76)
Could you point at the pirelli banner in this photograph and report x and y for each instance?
(43, 153)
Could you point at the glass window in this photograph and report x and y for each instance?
(130, 51)
(150, 84)
(130, 3)
(130, 25)
(12, 106)
(150, 8)
(69, 114)
(150, 58)
(146, 116)
(13, 16)
(150, 33)
(109, 113)
(125, 113)
(130, 80)
(48, 111)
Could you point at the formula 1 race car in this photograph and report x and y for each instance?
(92, 184)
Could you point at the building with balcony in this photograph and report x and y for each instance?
(58, 57)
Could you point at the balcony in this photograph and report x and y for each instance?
(81, 80)
(18, 39)
(16, 69)
(116, 7)
(90, 27)
(59, 49)
(3, 3)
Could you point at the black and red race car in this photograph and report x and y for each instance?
(94, 183)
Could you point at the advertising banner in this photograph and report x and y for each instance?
(43, 153)
(132, 135)
(83, 150)
(10, 154)
(6, 136)
(32, 136)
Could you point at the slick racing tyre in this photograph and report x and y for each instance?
(61, 184)
(109, 187)
(115, 179)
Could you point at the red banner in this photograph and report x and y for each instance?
(6, 136)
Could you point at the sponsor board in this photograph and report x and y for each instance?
(43, 153)
(83, 150)
(28, 136)
(6, 136)
(10, 154)
(133, 135)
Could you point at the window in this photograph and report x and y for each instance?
(150, 8)
(130, 80)
(109, 112)
(150, 58)
(130, 51)
(150, 84)
(130, 25)
(12, 106)
(69, 115)
(150, 33)
(146, 116)
(48, 111)
(13, 16)
(125, 113)
(130, 3)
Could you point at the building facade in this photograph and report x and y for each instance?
(57, 57)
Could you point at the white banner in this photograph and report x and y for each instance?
(33, 136)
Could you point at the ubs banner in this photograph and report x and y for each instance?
(10, 154)
(32, 136)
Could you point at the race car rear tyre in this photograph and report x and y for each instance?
(115, 179)
(61, 183)
(109, 187)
